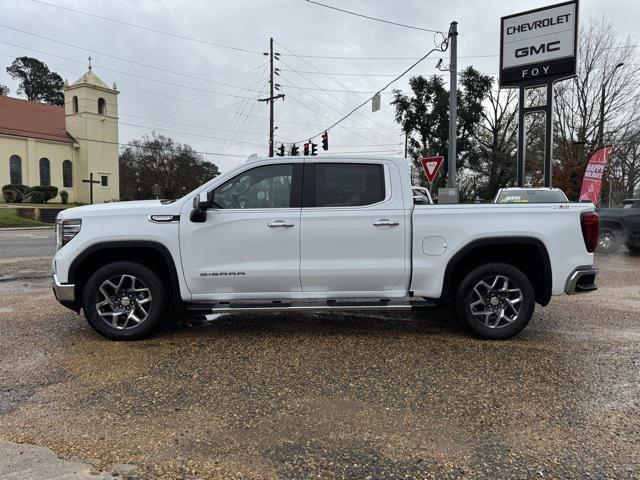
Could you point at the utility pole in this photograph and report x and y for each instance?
(272, 98)
(453, 103)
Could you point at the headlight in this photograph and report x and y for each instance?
(66, 230)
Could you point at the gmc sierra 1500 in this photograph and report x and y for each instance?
(319, 233)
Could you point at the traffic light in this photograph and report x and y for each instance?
(306, 150)
(280, 151)
(325, 141)
(294, 151)
(314, 149)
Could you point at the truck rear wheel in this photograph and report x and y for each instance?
(124, 301)
(495, 301)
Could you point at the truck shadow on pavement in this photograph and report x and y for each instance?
(436, 320)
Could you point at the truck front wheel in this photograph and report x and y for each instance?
(495, 301)
(124, 301)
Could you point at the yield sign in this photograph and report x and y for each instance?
(431, 166)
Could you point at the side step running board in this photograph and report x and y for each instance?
(308, 305)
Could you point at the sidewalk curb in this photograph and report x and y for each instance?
(10, 229)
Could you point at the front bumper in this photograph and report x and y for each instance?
(582, 280)
(64, 292)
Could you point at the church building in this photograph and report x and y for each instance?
(43, 144)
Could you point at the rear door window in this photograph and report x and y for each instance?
(344, 184)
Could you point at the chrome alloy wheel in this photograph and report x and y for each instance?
(496, 301)
(124, 302)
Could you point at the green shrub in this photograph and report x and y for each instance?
(64, 196)
(19, 193)
(9, 195)
(47, 193)
(37, 196)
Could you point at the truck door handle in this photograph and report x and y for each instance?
(385, 222)
(281, 224)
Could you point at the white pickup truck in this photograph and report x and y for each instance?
(318, 233)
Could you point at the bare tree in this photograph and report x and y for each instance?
(493, 155)
(607, 65)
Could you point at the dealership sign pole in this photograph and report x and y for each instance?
(537, 49)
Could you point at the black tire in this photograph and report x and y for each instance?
(155, 310)
(610, 240)
(503, 328)
(634, 248)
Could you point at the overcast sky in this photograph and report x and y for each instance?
(194, 107)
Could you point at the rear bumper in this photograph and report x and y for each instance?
(582, 280)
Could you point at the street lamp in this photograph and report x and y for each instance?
(604, 88)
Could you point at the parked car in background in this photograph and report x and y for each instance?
(530, 195)
(620, 226)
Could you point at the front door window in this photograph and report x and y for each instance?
(262, 187)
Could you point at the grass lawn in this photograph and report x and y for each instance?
(8, 218)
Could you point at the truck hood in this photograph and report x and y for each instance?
(120, 208)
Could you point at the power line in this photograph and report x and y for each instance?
(327, 118)
(374, 18)
(315, 84)
(241, 109)
(192, 125)
(192, 134)
(442, 47)
(122, 59)
(150, 147)
(366, 74)
(149, 29)
(337, 99)
(327, 89)
(199, 104)
(126, 73)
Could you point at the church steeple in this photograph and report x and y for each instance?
(91, 109)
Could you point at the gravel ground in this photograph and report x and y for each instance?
(366, 395)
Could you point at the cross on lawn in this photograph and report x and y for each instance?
(91, 182)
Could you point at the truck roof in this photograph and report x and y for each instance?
(334, 157)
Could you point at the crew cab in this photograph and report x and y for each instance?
(318, 233)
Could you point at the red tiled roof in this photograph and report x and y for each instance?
(23, 118)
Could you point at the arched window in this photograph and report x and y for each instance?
(15, 170)
(67, 174)
(75, 104)
(45, 172)
(102, 106)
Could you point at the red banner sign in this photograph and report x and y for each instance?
(431, 166)
(592, 181)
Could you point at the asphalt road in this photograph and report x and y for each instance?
(27, 243)
(366, 395)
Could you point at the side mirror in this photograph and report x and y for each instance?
(200, 205)
(203, 201)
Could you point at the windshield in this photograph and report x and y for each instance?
(532, 196)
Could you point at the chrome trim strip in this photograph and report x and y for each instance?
(160, 218)
(572, 281)
(63, 291)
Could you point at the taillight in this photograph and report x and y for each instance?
(590, 223)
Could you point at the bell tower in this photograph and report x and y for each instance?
(91, 115)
